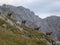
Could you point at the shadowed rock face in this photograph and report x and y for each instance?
(50, 24)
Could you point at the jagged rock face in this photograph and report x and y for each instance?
(54, 25)
(20, 13)
(50, 24)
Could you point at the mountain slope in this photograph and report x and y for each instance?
(13, 33)
(20, 20)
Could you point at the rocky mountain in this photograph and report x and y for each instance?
(54, 25)
(14, 33)
(26, 22)
(20, 13)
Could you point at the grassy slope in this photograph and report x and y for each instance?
(10, 35)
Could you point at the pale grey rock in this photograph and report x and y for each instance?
(57, 42)
(4, 25)
(54, 25)
(50, 24)
(31, 25)
(18, 27)
(10, 22)
(18, 22)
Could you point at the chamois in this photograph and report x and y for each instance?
(9, 14)
(24, 21)
(48, 33)
(37, 28)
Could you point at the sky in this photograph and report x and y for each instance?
(42, 8)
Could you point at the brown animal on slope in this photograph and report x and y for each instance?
(37, 28)
(48, 33)
(9, 14)
(24, 21)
